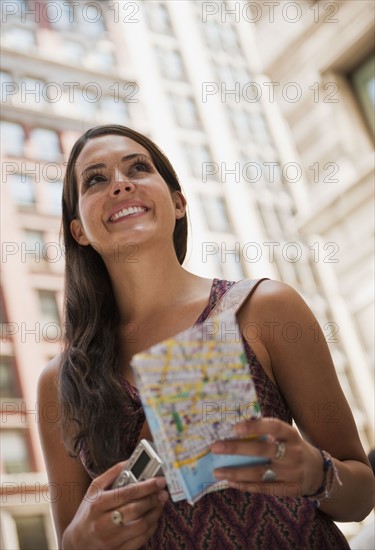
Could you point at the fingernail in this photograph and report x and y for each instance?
(163, 496)
(219, 475)
(161, 482)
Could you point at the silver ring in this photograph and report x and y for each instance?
(269, 475)
(116, 517)
(280, 450)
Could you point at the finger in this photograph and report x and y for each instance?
(130, 513)
(270, 426)
(241, 474)
(114, 498)
(263, 447)
(138, 531)
(100, 483)
(139, 508)
(259, 447)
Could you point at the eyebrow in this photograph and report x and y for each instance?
(123, 159)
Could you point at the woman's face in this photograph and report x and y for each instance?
(122, 198)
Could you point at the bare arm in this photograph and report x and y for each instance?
(82, 512)
(303, 370)
(68, 474)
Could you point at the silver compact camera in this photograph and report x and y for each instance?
(143, 464)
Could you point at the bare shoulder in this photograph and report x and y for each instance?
(273, 308)
(52, 368)
(270, 291)
(49, 402)
(273, 304)
(48, 379)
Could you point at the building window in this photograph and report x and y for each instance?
(32, 95)
(8, 383)
(231, 76)
(53, 191)
(216, 213)
(22, 189)
(21, 7)
(196, 157)
(85, 102)
(73, 51)
(33, 249)
(226, 74)
(240, 121)
(229, 37)
(221, 37)
(15, 456)
(31, 532)
(12, 138)
(89, 20)
(363, 82)
(18, 38)
(65, 21)
(48, 307)
(242, 75)
(260, 129)
(45, 144)
(114, 111)
(185, 111)
(7, 86)
(34, 241)
(100, 59)
(158, 17)
(171, 64)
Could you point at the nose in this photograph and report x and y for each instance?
(120, 183)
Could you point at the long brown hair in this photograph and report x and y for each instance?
(93, 401)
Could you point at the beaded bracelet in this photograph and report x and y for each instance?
(331, 477)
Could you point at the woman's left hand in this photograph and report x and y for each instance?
(294, 467)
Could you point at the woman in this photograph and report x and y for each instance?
(125, 228)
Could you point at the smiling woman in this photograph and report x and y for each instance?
(121, 192)
(101, 167)
(108, 189)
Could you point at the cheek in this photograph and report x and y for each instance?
(89, 213)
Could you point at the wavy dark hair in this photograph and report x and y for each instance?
(92, 398)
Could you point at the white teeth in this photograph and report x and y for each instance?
(127, 211)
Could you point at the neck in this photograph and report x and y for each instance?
(152, 282)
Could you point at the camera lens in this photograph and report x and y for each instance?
(123, 479)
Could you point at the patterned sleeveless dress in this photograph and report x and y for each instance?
(230, 519)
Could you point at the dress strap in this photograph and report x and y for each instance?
(235, 296)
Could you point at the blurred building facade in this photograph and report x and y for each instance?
(190, 76)
(323, 69)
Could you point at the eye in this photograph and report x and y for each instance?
(92, 178)
(141, 167)
(140, 164)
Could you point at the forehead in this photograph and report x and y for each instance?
(102, 148)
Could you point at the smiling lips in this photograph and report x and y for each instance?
(127, 212)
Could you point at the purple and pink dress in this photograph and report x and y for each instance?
(231, 519)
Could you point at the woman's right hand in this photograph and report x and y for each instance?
(140, 504)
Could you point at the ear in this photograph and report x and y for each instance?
(180, 204)
(78, 232)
